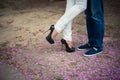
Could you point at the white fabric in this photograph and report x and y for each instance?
(73, 8)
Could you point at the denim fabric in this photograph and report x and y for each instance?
(95, 22)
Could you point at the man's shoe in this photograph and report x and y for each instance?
(93, 51)
(84, 47)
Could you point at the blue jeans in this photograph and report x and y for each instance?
(95, 22)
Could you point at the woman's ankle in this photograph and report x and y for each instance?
(54, 34)
(69, 44)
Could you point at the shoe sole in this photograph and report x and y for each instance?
(82, 49)
(92, 54)
(49, 41)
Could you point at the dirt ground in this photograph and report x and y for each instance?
(23, 45)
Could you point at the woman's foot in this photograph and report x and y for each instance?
(68, 45)
(51, 35)
(49, 38)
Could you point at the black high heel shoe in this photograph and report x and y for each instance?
(48, 38)
(68, 49)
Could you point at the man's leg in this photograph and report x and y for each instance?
(89, 23)
(89, 28)
(97, 23)
(95, 27)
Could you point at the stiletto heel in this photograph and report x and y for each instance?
(68, 49)
(46, 31)
(48, 38)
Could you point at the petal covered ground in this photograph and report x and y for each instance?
(23, 46)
